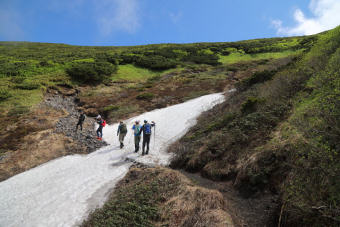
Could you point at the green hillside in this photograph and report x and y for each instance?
(28, 69)
(278, 132)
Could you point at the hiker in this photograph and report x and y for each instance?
(146, 129)
(80, 121)
(101, 124)
(122, 130)
(136, 131)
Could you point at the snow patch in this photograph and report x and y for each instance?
(63, 191)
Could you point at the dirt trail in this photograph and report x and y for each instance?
(256, 211)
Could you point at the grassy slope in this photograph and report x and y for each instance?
(237, 57)
(28, 69)
(33, 67)
(160, 197)
(281, 135)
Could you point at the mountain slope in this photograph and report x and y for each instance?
(279, 132)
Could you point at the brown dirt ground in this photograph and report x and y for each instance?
(256, 211)
(31, 141)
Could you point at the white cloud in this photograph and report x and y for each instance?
(326, 15)
(113, 15)
(10, 28)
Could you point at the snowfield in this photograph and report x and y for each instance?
(64, 191)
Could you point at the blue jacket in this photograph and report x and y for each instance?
(136, 129)
(144, 128)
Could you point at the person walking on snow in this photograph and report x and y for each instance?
(122, 130)
(136, 131)
(101, 124)
(80, 121)
(146, 129)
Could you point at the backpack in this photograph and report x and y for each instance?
(147, 128)
(123, 128)
(104, 123)
(136, 129)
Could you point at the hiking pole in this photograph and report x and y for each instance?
(154, 137)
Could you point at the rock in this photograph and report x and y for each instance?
(67, 125)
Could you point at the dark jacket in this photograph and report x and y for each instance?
(81, 118)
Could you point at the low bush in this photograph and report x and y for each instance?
(202, 58)
(127, 59)
(136, 201)
(257, 77)
(145, 96)
(4, 94)
(155, 62)
(15, 68)
(28, 85)
(91, 72)
(249, 105)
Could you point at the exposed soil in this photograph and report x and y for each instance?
(48, 132)
(256, 211)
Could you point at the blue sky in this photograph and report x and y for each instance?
(138, 22)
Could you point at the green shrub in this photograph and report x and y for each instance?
(127, 59)
(15, 68)
(17, 79)
(145, 96)
(105, 57)
(202, 58)
(91, 72)
(28, 85)
(257, 77)
(45, 63)
(4, 94)
(155, 62)
(249, 105)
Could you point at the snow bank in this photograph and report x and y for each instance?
(62, 192)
